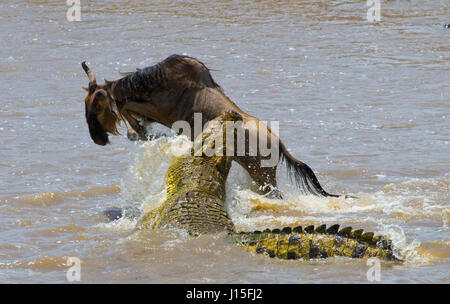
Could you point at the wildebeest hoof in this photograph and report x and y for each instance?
(132, 135)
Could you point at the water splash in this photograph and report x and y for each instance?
(383, 212)
(404, 249)
(143, 184)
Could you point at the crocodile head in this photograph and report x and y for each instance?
(211, 144)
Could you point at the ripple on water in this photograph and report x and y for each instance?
(51, 198)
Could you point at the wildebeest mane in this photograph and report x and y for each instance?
(175, 72)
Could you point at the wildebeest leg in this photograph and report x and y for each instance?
(138, 131)
(146, 112)
(264, 177)
(133, 135)
(146, 124)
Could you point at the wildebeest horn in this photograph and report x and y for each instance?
(90, 74)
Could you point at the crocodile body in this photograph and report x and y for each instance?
(195, 198)
(196, 187)
(195, 202)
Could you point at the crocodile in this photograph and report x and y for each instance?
(195, 202)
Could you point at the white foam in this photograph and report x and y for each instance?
(143, 186)
(118, 225)
(404, 249)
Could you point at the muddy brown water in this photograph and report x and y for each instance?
(366, 105)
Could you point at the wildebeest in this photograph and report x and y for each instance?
(173, 90)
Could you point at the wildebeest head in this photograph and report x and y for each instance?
(100, 117)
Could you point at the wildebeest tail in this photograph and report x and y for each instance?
(302, 174)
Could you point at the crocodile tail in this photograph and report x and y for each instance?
(312, 243)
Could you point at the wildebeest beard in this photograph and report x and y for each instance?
(97, 132)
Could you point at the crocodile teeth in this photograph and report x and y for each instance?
(333, 229)
(321, 228)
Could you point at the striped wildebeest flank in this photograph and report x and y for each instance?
(195, 203)
(177, 89)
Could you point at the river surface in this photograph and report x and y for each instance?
(366, 105)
